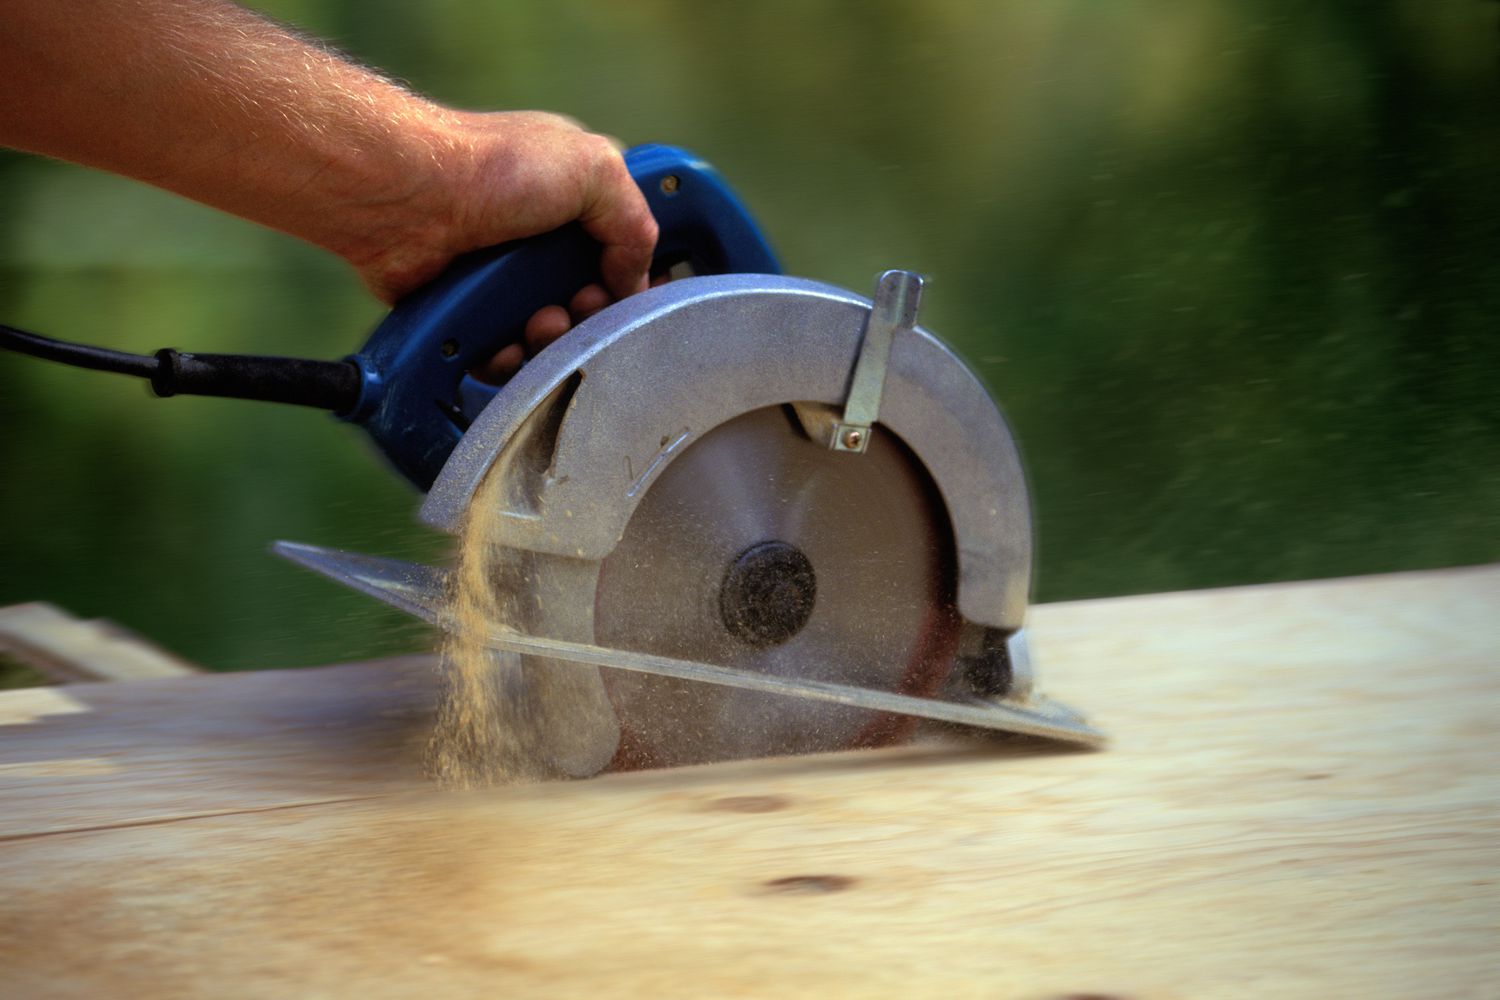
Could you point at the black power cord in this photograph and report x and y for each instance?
(326, 385)
(78, 355)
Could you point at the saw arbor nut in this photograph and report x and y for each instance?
(768, 593)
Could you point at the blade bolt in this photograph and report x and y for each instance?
(852, 439)
(767, 594)
(670, 184)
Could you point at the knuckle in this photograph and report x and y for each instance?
(604, 153)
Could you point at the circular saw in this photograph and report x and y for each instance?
(753, 514)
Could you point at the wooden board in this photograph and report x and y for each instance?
(1300, 801)
(62, 648)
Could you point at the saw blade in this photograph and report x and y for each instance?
(762, 550)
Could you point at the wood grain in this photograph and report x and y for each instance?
(1300, 801)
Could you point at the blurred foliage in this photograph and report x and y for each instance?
(1230, 267)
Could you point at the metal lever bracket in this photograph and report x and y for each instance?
(897, 297)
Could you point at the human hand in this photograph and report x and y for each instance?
(506, 176)
(489, 178)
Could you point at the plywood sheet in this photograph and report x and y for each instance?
(1300, 801)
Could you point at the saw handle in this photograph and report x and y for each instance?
(414, 363)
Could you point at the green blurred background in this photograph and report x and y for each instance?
(1230, 267)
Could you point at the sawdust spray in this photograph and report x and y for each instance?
(486, 734)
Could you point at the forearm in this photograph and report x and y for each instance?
(208, 100)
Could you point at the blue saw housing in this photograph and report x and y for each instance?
(415, 399)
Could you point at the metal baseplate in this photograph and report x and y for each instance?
(419, 591)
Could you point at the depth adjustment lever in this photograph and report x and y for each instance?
(897, 297)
